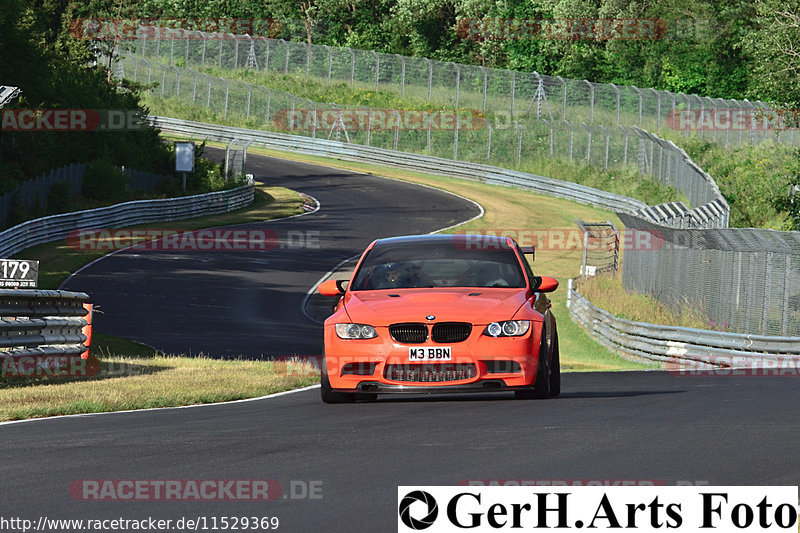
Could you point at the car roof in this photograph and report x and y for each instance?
(488, 241)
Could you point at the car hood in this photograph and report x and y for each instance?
(475, 305)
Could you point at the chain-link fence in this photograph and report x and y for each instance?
(516, 95)
(746, 280)
(460, 135)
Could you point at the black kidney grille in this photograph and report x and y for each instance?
(430, 373)
(447, 332)
(409, 333)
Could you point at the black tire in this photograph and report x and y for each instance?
(328, 394)
(555, 369)
(541, 387)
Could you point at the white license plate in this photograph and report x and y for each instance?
(430, 353)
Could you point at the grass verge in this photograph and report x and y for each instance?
(608, 293)
(133, 376)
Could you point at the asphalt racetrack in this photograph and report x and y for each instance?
(627, 426)
(249, 303)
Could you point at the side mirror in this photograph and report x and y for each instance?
(547, 284)
(331, 288)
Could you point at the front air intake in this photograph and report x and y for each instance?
(409, 333)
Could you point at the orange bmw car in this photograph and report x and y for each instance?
(440, 313)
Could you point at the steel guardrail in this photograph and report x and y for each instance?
(641, 340)
(55, 227)
(409, 161)
(40, 324)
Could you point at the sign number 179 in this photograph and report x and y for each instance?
(18, 273)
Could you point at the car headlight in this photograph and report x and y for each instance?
(355, 331)
(509, 328)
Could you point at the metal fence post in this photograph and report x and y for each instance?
(591, 100)
(488, 140)
(249, 92)
(430, 76)
(377, 68)
(588, 142)
(638, 92)
(352, 66)
(519, 143)
(330, 62)
(571, 138)
(402, 75)
(513, 90)
(455, 136)
(550, 127)
(266, 111)
(616, 89)
(485, 86)
(227, 92)
(458, 82)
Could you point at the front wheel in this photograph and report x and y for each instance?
(555, 369)
(328, 394)
(541, 387)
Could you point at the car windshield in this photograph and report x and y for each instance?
(415, 265)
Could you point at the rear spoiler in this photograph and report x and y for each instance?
(528, 250)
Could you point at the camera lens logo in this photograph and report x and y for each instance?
(405, 510)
